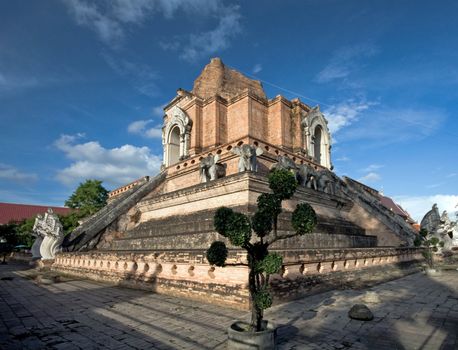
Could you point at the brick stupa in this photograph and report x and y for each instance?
(154, 232)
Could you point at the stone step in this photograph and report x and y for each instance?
(202, 240)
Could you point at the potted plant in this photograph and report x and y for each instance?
(239, 229)
(431, 245)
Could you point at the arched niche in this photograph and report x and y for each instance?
(316, 137)
(173, 151)
(318, 149)
(175, 136)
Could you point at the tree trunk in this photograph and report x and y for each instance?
(256, 313)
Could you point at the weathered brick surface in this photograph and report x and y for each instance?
(216, 78)
(187, 274)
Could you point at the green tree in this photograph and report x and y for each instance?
(24, 232)
(88, 198)
(8, 239)
(431, 245)
(70, 221)
(238, 228)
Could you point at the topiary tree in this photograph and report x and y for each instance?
(431, 244)
(238, 228)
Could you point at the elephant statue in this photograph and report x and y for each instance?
(307, 176)
(327, 182)
(248, 157)
(286, 163)
(210, 169)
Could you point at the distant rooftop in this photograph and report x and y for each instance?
(12, 212)
(218, 79)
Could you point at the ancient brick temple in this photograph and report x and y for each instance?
(219, 142)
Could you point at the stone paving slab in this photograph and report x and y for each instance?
(415, 312)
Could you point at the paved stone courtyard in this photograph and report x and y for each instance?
(415, 312)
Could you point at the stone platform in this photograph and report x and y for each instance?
(187, 274)
(159, 243)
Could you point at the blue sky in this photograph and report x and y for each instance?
(82, 85)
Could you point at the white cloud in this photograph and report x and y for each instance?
(154, 133)
(257, 68)
(370, 178)
(345, 113)
(140, 127)
(158, 111)
(372, 167)
(115, 166)
(343, 159)
(205, 43)
(112, 19)
(90, 15)
(418, 206)
(345, 61)
(11, 173)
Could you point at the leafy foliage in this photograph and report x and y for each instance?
(217, 253)
(263, 299)
(270, 264)
(262, 223)
(270, 204)
(70, 221)
(24, 232)
(221, 220)
(8, 239)
(88, 198)
(431, 244)
(304, 219)
(237, 228)
(282, 183)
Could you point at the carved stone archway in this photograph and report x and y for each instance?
(317, 138)
(178, 125)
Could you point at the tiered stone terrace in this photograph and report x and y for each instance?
(188, 275)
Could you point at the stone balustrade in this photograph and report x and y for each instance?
(191, 277)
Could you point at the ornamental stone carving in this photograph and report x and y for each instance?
(306, 176)
(248, 157)
(176, 135)
(317, 138)
(50, 235)
(286, 163)
(322, 180)
(441, 226)
(210, 169)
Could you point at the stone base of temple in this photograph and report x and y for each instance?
(43, 263)
(186, 274)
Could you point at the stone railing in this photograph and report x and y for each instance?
(127, 187)
(387, 217)
(187, 274)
